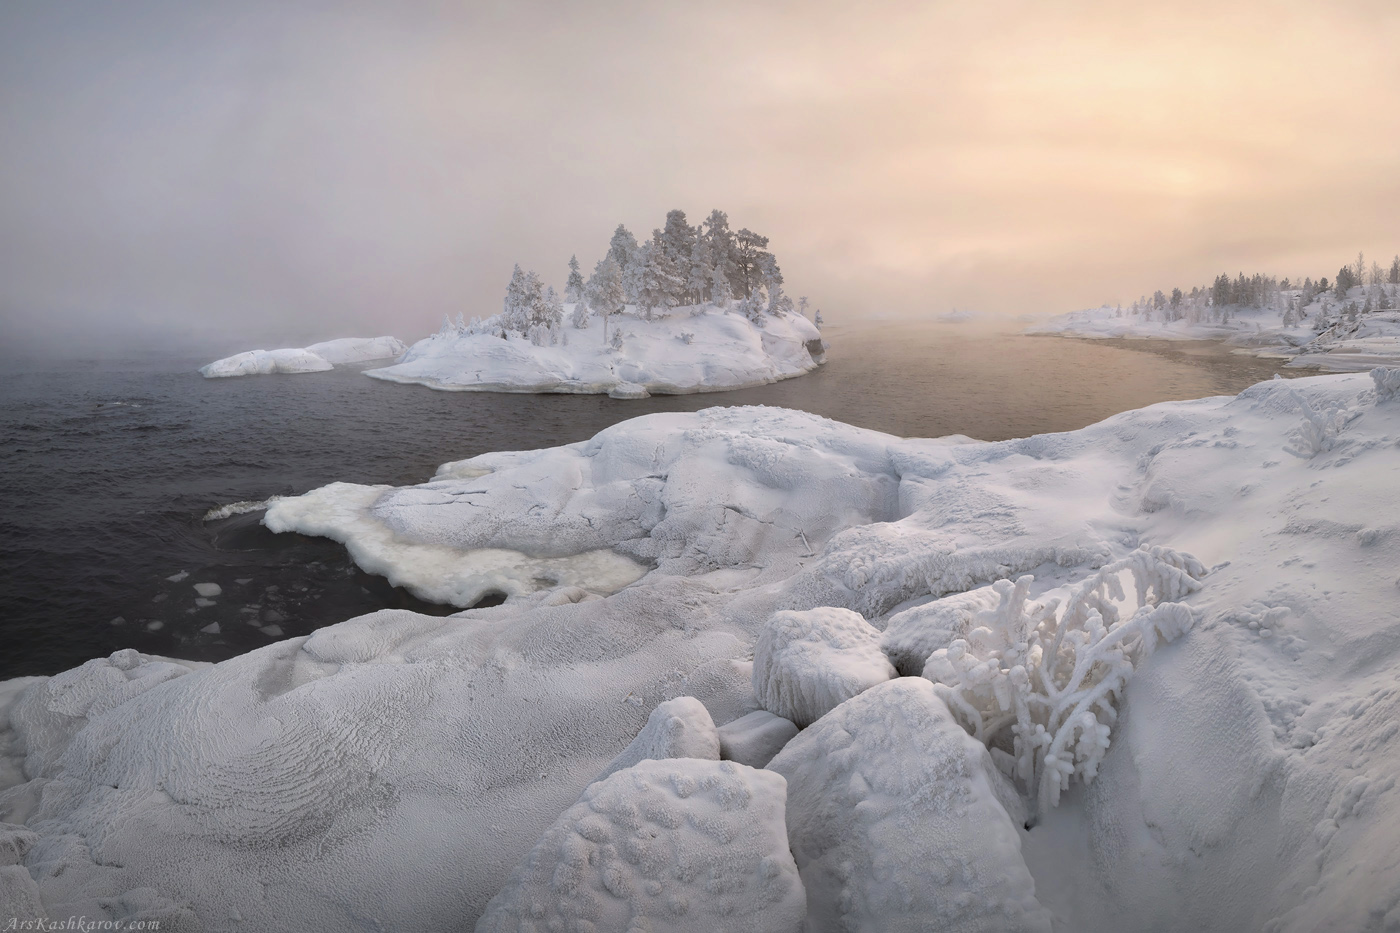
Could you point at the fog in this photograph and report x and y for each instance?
(255, 174)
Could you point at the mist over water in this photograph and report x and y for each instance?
(111, 466)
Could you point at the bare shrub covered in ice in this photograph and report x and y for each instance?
(1040, 686)
(1387, 379)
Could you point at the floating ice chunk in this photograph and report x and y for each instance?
(754, 739)
(678, 845)
(119, 620)
(208, 590)
(807, 663)
(242, 507)
(679, 728)
(896, 821)
(271, 631)
(178, 577)
(438, 573)
(243, 581)
(155, 625)
(203, 603)
(211, 629)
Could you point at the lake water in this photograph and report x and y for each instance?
(108, 467)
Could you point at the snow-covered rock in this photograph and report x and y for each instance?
(914, 634)
(754, 738)
(1247, 784)
(896, 822)
(807, 663)
(316, 358)
(679, 728)
(725, 350)
(678, 845)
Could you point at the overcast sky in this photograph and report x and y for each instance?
(260, 172)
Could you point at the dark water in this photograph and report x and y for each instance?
(107, 468)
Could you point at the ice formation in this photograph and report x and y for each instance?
(805, 664)
(896, 822)
(725, 350)
(1247, 785)
(678, 845)
(316, 358)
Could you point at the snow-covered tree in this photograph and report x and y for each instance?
(802, 305)
(720, 295)
(719, 243)
(697, 282)
(573, 288)
(1394, 276)
(580, 317)
(749, 258)
(604, 290)
(515, 311)
(818, 319)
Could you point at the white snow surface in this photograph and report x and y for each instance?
(896, 824)
(754, 739)
(316, 358)
(680, 845)
(726, 351)
(1339, 346)
(386, 772)
(679, 728)
(805, 664)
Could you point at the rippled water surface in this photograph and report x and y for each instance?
(108, 467)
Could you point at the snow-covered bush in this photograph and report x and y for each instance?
(1387, 379)
(1040, 687)
(617, 340)
(1319, 431)
(580, 318)
(687, 338)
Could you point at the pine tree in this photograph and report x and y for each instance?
(719, 242)
(515, 312)
(802, 305)
(720, 295)
(697, 281)
(604, 290)
(749, 252)
(1394, 276)
(573, 288)
(818, 319)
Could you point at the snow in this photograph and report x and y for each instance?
(896, 824)
(316, 358)
(679, 728)
(1334, 345)
(724, 350)
(805, 664)
(388, 771)
(679, 845)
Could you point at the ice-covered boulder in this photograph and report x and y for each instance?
(807, 663)
(345, 350)
(754, 738)
(316, 358)
(914, 634)
(897, 825)
(679, 728)
(676, 845)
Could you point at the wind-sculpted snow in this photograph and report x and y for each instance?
(316, 358)
(682, 352)
(387, 772)
(805, 664)
(896, 825)
(679, 728)
(678, 845)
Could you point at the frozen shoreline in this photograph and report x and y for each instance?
(791, 566)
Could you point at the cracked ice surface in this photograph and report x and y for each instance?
(389, 771)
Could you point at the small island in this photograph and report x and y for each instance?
(316, 358)
(693, 309)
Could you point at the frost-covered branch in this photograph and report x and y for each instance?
(1319, 431)
(1039, 685)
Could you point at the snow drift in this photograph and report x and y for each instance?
(1106, 734)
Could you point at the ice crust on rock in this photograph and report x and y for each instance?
(679, 728)
(1249, 785)
(896, 822)
(677, 845)
(754, 738)
(808, 663)
(316, 358)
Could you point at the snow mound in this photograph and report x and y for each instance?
(914, 634)
(316, 358)
(896, 823)
(723, 350)
(754, 738)
(678, 845)
(679, 728)
(808, 663)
